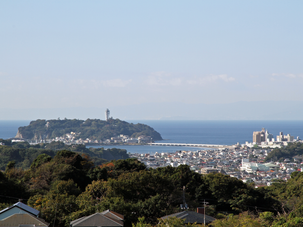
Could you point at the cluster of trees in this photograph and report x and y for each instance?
(24, 154)
(68, 186)
(291, 150)
(65, 185)
(91, 128)
(290, 197)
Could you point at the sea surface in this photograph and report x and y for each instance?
(197, 132)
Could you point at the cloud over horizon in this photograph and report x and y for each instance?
(288, 75)
(167, 79)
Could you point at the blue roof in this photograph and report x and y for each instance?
(23, 207)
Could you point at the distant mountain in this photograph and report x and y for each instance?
(93, 129)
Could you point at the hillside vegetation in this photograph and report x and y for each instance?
(65, 185)
(91, 128)
(291, 150)
(69, 186)
(23, 154)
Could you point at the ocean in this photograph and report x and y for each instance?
(203, 132)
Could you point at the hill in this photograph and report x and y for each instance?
(291, 150)
(93, 129)
(23, 154)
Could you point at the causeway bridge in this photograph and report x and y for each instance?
(189, 145)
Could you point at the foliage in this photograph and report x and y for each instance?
(141, 223)
(265, 219)
(23, 157)
(242, 220)
(11, 188)
(291, 150)
(68, 186)
(34, 155)
(57, 205)
(228, 194)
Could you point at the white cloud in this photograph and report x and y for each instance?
(226, 78)
(291, 75)
(288, 75)
(163, 79)
(209, 79)
(102, 83)
(166, 79)
(116, 83)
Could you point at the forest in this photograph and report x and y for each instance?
(65, 185)
(93, 129)
(23, 154)
(69, 186)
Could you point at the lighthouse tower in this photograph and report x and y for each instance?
(107, 112)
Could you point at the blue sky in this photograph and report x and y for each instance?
(60, 56)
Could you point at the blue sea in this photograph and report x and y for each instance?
(197, 132)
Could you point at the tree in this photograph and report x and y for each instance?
(242, 220)
(58, 204)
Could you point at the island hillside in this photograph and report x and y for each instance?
(97, 131)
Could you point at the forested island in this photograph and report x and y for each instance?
(88, 131)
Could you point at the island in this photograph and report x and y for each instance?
(90, 131)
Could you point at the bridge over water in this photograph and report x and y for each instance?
(189, 145)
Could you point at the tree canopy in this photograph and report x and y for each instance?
(69, 185)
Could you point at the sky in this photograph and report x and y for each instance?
(151, 59)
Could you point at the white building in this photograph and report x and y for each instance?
(251, 167)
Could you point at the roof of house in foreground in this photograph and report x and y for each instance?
(191, 217)
(23, 207)
(23, 219)
(106, 218)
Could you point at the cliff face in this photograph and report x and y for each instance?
(19, 135)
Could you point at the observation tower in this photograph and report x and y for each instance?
(107, 112)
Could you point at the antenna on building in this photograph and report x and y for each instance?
(107, 112)
(205, 203)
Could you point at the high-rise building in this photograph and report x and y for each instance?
(259, 136)
(269, 137)
(288, 138)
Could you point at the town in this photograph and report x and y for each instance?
(71, 138)
(245, 162)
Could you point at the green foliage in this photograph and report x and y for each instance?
(265, 219)
(141, 223)
(11, 187)
(41, 159)
(171, 222)
(291, 150)
(101, 155)
(34, 155)
(97, 173)
(68, 186)
(57, 205)
(127, 165)
(232, 195)
(242, 220)
(10, 165)
(23, 157)
(290, 193)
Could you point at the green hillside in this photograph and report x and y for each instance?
(93, 129)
